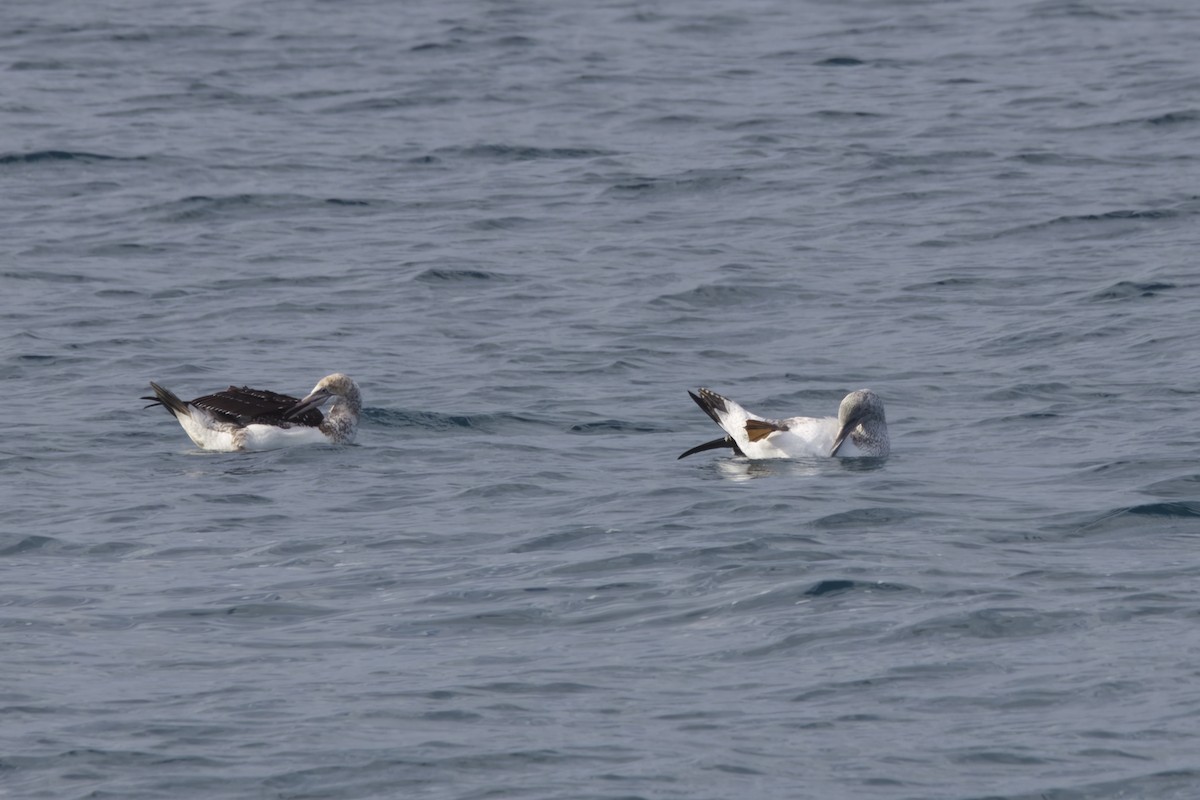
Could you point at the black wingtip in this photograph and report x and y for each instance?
(709, 401)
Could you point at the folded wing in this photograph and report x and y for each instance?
(243, 406)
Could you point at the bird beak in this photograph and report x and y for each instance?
(850, 425)
(312, 401)
(841, 437)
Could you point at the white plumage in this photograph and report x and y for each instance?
(859, 429)
(241, 418)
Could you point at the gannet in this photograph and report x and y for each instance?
(241, 418)
(859, 429)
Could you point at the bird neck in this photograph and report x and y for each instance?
(341, 419)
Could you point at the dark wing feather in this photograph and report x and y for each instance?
(710, 403)
(245, 406)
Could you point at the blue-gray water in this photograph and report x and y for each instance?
(526, 228)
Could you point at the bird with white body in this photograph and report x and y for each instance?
(241, 418)
(859, 429)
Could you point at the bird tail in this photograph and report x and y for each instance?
(168, 399)
(715, 406)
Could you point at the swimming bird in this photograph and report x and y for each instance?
(241, 418)
(859, 429)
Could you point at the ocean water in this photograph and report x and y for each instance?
(526, 229)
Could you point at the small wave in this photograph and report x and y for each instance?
(829, 587)
(1181, 117)
(1185, 486)
(19, 545)
(1120, 519)
(261, 612)
(501, 223)
(425, 47)
(1051, 390)
(691, 182)
(864, 517)
(1068, 9)
(836, 586)
(199, 207)
(236, 499)
(1168, 784)
(516, 40)
(616, 426)
(369, 104)
(535, 689)
(1007, 758)
(1183, 509)
(1118, 215)
(995, 623)
(955, 282)
(1058, 160)
(1174, 118)
(1121, 213)
(559, 540)
(443, 275)
(834, 113)
(279, 281)
(940, 159)
(725, 295)
(674, 120)
(49, 277)
(510, 152)
(47, 156)
(432, 420)
(1126, 290)
(841, 61)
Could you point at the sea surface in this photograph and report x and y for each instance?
(527, 228)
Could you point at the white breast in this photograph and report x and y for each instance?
(271, 437)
